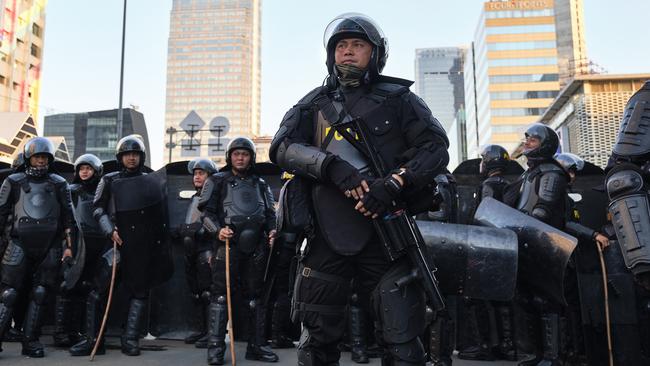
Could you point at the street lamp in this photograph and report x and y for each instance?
(120, 112)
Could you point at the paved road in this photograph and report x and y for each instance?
(173, 353)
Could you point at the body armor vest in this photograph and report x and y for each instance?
(244, 206)
(338, 145)
(36, 214)
(528, 192)
(83, 212)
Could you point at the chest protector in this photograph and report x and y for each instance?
(192, 223)
(528, 193)
(83, 212)
(243, 206)
(36, 214)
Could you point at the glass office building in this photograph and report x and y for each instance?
(213, 68)
(523, 52)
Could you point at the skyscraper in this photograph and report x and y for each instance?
(523, 51)
(22, 27)
(439, 81)
(213, 69)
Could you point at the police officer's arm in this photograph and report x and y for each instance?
(6, 202)
(293, 150)
(101, 204)
(210, 205)
(269, 212)
(427, 141)
(551, 191)
(67, 214)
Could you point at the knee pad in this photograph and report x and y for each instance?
(205, 297)
(8, 296)
(108, 256)
(411, 352)
(401, 311)
(221, 300)
(252, 304)
(39, 293)
(205, 257)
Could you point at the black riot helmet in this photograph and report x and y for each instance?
(130, 143)
(633, 141)
(570, 162)
(493, 157)
(356, 25)
(39, 145)
(18, 162)
(90, 160)
(549, 141)
(240, 143)
(204, 164)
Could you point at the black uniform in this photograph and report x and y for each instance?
(344, 244)
(542, 195)
(121, 203)
(40, 206)
(245, 204)
(628, 188)
(199, 248)
(97, 268)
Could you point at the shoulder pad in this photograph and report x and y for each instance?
(394, 80)
(550, 167)
(389, 89)
(56, 179)
(309, 97)
(74, 187)
(17, 177)
(110, 175)
(551, 185)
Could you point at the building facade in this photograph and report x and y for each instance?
(439, 82)
(22, 30)
(214, 69)
(588, 112)
(95, 132)
(523, 51)
(16, 128)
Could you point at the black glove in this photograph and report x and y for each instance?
(382, 195)
(343, 175)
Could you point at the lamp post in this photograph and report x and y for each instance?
(120, 112)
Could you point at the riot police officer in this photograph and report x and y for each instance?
(346, 195)
(494, 161)
(239, 205)
(628, 187)
(97, 267)
(126, 206)
(543, 196)
(39, 201)
(199, 247)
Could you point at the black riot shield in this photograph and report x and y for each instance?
(473, 261)
(174, 311)
(468, 181)
(544, 251)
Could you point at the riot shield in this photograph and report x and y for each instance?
(473, 261)
(174, 311)
(544, 251)
(468, 182)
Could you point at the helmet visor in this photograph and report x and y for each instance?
(350, 23)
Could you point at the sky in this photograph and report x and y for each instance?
(81, 65)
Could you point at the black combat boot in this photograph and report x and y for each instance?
(63, 337)
(550, 340)
(477, 349)
(257, 348)
(279, 320)
(357, 327)
(93, 312)
(217, 318)
(7, 299)
(506, 349)
(440, 345)
(202, 341)
(131, 335)
(32, 347)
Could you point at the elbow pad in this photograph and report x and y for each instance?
(303, 160)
